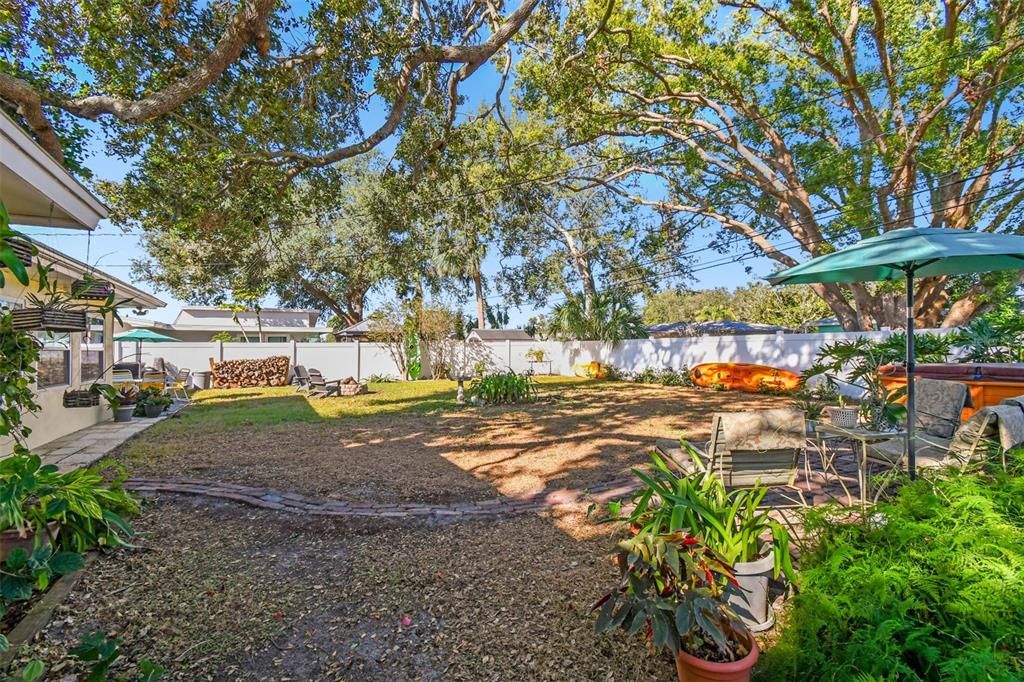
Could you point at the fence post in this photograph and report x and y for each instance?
(359, 360)
(508, 351)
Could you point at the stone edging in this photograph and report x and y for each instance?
(267, 498)
(41, 612)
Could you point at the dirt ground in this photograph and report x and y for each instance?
(221, 591)
(224, 592)
(577, 435)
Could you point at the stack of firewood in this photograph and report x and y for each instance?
(243, 373)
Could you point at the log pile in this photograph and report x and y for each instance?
(245, 373)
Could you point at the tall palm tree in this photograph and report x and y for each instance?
(460, 254)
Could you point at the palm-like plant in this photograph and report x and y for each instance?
(612, 317)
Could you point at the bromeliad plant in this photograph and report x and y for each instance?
(733, 524)
(504, 387)
(670, 589)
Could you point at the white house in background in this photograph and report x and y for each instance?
(36, 190)
(200, 323)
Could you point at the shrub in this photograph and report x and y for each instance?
(934, 590)
(504, 387)
(666, 376)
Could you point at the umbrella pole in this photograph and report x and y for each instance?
(911, 403)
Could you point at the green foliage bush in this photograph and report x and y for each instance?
(504, 387)
(931, 589)
(666, 376)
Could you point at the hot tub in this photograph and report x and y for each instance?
(989, 383)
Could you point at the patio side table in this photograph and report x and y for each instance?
(859, 439)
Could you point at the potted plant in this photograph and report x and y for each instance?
(121, 400)
(154, 404)
(731, 523)
(670, 589)
(845, 415)
(39, 501)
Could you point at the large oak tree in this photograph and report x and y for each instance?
(795, 127)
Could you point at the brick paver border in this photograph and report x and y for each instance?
(268, 498)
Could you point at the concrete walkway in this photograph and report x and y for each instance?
(85, 446)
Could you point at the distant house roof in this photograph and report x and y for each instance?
(499, 335)
(358, 330)
(715, 328)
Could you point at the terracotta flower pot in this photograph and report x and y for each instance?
(10, 540)
(693, 669)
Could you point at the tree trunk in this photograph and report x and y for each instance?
(478, 286)
(259, 325)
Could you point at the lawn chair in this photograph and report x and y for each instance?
(178, 385)
(1002, 426)
(152, 378)
(301, 379)
(749, 448)
(320, 387)
(939, 405)
(122, 377)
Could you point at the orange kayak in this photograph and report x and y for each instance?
(739, 376)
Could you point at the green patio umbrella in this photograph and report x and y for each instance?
(140, 335)
(903, 255)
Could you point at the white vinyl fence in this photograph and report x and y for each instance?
(361, 360)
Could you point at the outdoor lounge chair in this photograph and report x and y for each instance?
(178, 384)
(152, 378)
(939, 405)
(301, 379)
(1001, 425)
(748, 448)
(122, 377)
(320, 387)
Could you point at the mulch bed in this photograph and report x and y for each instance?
(223, 592)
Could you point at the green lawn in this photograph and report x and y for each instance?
(270, 406)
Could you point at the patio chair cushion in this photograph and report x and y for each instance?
(761, 430)
(930, 451)
(939, 404)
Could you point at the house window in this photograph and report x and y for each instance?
(92, 351)
(92, 365)
(277, 339)
(54, 368)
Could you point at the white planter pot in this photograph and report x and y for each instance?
(750, 599)
(845, 417)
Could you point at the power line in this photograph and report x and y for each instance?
(867, 201)
(753, 254)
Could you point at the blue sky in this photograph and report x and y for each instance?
(109, 249)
